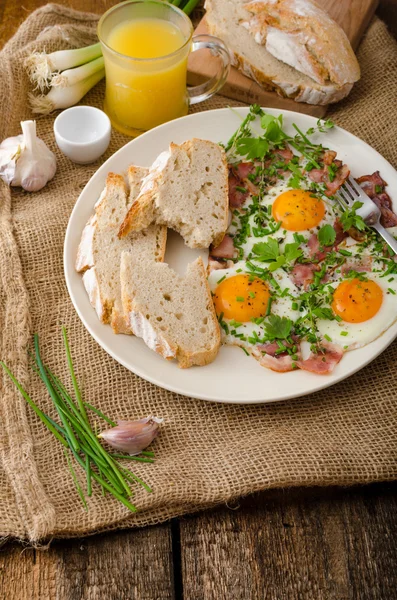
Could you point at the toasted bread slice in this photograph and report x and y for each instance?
(174, 315)
(100, 249)
(187, 190)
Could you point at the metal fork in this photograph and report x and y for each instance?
(351, 192)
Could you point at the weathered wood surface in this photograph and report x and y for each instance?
(114, 566)
(314, 544)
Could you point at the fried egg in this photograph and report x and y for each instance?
(363, 310)
(295, 211)
(240, 297)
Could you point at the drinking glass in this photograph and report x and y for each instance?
(142, 93)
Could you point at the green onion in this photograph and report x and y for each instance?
(240, 298)
(41, 67)
(344, 333)
(75, 433)
(64, 97)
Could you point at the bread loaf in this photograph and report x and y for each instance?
(290, 46)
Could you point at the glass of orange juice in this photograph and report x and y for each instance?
(146, 44)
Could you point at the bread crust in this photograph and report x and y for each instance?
(318, 38)
(104, 222)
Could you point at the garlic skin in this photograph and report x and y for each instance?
(132, 436)
(26, 161)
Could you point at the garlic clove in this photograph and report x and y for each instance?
(26, 161)
(132, 436)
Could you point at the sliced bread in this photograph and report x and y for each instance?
(174, 315)
(187, 190)
(100, 249)
(292, 62)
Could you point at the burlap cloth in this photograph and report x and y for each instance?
(206, 453)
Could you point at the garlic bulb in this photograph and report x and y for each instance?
(132, 436)
(25, 160)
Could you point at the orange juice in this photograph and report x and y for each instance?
(147, 84)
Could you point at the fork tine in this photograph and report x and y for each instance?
(351, 191)
(341, 201)
(355, 185)
(346, 197)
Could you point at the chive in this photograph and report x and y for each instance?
(244, 350)
(391, 279)
(221, 279)
(328, 338)
(251, 294)
(52, 394)
(100, 414)
(240, 299)
(72, 375)
(238, 270)
(129, 457)
(344, 333)
(74, 477)
(345, 252)
(243, 190)
(391, 291)
(269, 306)
(378, 189)
(294, 306)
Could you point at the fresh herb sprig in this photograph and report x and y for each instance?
(270, 252)
(75, 433)
(244, 144)
(350, 218)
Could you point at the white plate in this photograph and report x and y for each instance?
(233, 377)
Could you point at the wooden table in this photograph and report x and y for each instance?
(310, 544)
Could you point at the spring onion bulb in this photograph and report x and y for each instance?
(64, 97)
(72, 76)
(41, 66)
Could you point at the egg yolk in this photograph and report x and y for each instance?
(241, 298)
(298, 210)
(356, 301)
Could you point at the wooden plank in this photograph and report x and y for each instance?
(294, 544)
(352, 15)
(128, 565)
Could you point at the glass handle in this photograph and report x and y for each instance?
(201, 92)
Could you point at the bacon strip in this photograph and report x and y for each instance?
(236, 197)
(244, 169)
(314, 244)
(322, 175)
(324, 361)
(225, 249)
(303, 274)
(365, 265)
(282, 363)
(369, 183)
(285, 153)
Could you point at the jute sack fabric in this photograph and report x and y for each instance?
(207, 453)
